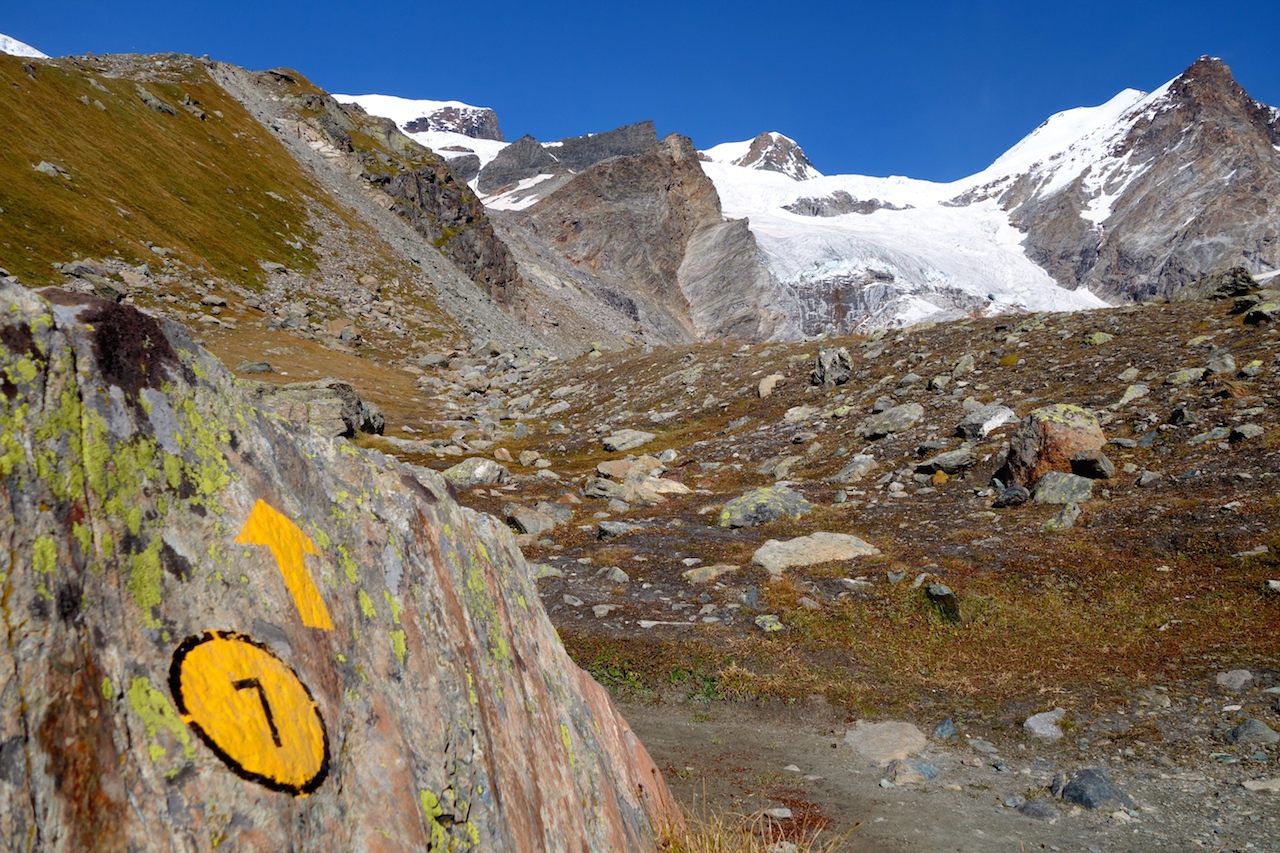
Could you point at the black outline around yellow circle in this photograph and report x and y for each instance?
(175, 687)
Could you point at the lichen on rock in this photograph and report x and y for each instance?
(130, 465)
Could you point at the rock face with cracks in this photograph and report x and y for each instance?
(219, 631)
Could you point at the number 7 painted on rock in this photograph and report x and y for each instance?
(288, 544)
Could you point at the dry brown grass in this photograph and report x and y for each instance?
(723, 832)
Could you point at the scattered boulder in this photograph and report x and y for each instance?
(614, 529)
(704, 574)
(1048, 439)
(832, 367)
(982, 421)
(945, 599)
(1091, 789)
(1063, 519)
(1011, 496)
(769, 623)
(477, 471)
(760, 506)
(1235, 681)
(1252, 731)
(905, 772)
(151, 100)
(895, 419)
(766, 386)
(950, 463)
(1061, 489)
(627, 439)
(882, 743)
(529, 520)
(331, 405)
(775, 557)
(857, 468)
(1046, 725)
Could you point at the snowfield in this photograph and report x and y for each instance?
(13, 47)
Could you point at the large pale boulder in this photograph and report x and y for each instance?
(775, 556)
(219, 631)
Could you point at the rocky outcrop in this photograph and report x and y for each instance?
(219, 630)
(476, 122)
(444, 210)
(580, 152)
(649, 226)
(524, 158)
(527, 158)
(773, 152)
(1196, 189)
(424, 192)
(839, 203)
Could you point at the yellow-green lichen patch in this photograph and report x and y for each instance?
(153, 708)
(399, 646)
(431, 806)
(108, 689)
(144, 578)
(44, 555)
(366, 605)
(568, 745)
(83, 536)
(349, 566)
(394, 605)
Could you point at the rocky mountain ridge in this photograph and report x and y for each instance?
(1073, 204)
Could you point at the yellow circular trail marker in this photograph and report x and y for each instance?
(251, 709)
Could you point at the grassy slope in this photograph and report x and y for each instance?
(198, 187)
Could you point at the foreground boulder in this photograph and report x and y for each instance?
(217, 629)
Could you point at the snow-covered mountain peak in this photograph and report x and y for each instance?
(770, 152)
(13, 47)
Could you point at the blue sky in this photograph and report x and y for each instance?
(931, 90)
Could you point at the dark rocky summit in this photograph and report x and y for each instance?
(524, 158)
(476, 122)
(579, 152)
(1201, 193)
(774, 152)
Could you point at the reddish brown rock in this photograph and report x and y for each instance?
(1049, 439)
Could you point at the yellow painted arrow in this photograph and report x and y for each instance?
(288, 544)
